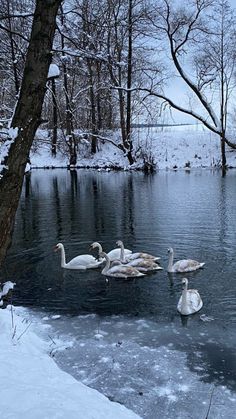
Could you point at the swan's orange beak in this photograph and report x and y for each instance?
(55, 248)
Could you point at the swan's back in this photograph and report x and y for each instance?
(115, 253)
(144, 265)
(83, 262)
(143, 255)
(187, 265)
(123, 271)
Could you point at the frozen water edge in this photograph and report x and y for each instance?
(145, 365)
(34, 387)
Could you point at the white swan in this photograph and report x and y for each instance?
(119, 270)
(79, 262)
(190, 301)
(137, 255)
(184, 265)
(113, 254)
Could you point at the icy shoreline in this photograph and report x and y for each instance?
(33, 386)
(135, 362)
(179, 149)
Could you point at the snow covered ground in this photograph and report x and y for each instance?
(171, 148)
(34, 387)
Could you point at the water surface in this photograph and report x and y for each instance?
(194, 213)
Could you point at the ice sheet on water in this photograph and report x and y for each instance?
(154, 369)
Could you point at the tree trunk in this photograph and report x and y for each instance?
(129, 75)
(129, 85)
(70, 137)
(13, 55)
(223, 155)
(26, 118)
(93, 109)
(55, 122)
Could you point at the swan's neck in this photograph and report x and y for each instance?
(184, 299)
(98, 245)
(122, 253)
(170, 264)
(107, 266)
(63, 257)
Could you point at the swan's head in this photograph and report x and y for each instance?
(184, 282)
(170, 250)
(119, 243)
(58, 246)
(94, 245)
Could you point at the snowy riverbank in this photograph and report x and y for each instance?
(170, 149)
(33, 386)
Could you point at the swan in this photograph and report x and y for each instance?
(184, 265)
(118, 270)
(137, 255)
(144, 265)
(190, 301)
(113, 254)
(79, 262)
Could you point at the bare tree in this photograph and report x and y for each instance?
(184, 27)
(216, 62)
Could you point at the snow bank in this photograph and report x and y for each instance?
(32, 385)
(179, 149)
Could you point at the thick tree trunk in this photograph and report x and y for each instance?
(27, 115)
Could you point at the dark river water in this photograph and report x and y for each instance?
(195, 213)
